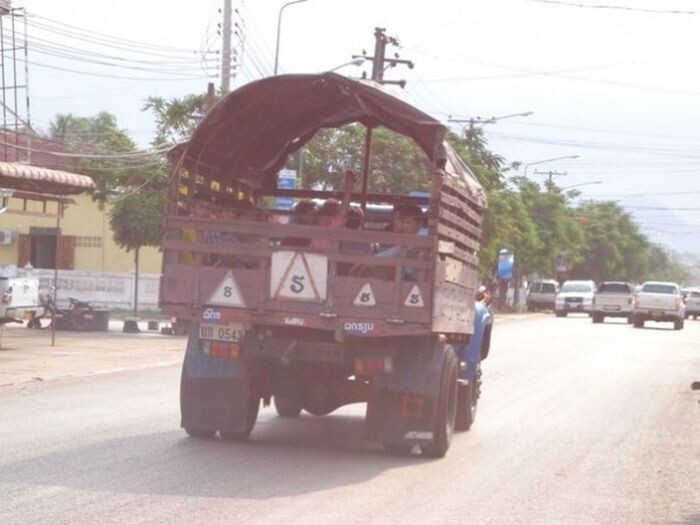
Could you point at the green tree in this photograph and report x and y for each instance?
(398, 165)
(613, 247)
(175, 118)
(104, 152)
(136, 220)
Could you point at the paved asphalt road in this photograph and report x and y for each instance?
(578, 423)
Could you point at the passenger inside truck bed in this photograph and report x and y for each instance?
(201, 207)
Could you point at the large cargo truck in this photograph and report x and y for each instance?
(315, 314)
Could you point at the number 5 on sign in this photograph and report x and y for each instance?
(227, 293)
(298, 276)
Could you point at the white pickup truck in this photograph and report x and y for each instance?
(658, 301)
(612, 299)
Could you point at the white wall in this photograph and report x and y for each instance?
(107, 289)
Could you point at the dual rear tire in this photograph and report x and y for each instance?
(446, 409)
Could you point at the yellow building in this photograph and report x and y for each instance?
(86, 241)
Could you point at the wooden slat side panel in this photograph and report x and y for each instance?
(458, 187)
(457, 272)
(455, 203)
(459, 237)
(453, 309)
(460, 223)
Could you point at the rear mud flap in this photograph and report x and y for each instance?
(403, 408)
(214, 392)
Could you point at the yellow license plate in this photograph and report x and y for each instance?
(656, 313)
(228, 333)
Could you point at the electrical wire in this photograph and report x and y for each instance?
(90, 155)
(617, 7)
(104, 37)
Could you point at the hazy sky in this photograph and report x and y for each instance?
(620, 87)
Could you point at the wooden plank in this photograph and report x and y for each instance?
(454, 271)
(457, 236)
(462, 206)
(453, 310)
(252, 251)
(461, 188)
(461, 223)
(269, 230)
(465, 256)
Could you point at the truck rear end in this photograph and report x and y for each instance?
(612, 299)
(659, 302)
(297, 313)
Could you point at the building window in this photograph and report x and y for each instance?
(88, 242)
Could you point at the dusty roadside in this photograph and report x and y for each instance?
(27, 355)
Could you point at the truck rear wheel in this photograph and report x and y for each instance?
(253, 409)
(678, 325)
(638, 322)
(287, 407)
(446, 410)
(201, 434)
(467, 402)
(560, 314)
(597, 318)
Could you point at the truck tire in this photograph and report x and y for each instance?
(253, 409)
(638, 322)
(200, 434)
(597, 318)
(287, 407)
(560, 314)
(678, 324)
(398, 449)
(467, 402)
(446, 409)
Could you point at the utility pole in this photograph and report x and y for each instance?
(379, 64)
(379, 60)
(226, 49)
(551, 175)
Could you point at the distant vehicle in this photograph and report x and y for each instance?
(541, 295)
(612, 299)
(692, 303)
(19, 298)
(660, 302)
(574, 296)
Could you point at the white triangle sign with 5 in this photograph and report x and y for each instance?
(227, 293)
(414, 298)
(300, 276)
(365, 297)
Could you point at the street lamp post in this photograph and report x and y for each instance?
(471, 122)
(582, 184)
(279, 27)
(549, 160)
(354, 62)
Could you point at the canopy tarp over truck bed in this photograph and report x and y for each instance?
(249, 134)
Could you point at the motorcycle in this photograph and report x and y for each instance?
(79, 315)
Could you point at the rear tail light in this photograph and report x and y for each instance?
(373, 365)
(678, 303)
(636, 301)
(221, 350)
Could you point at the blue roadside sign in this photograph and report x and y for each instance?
(286, 180)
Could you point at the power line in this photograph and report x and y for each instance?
(96, 36)
(142, 153)
(617, 7)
